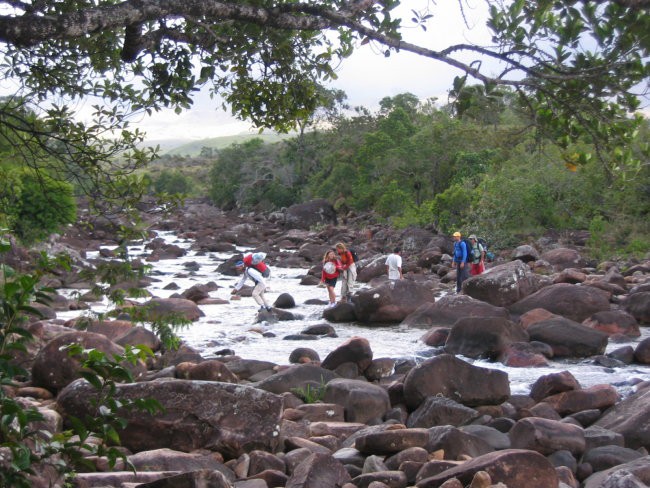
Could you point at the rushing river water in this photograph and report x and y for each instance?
(232, 325)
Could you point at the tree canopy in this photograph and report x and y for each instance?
(578, 67)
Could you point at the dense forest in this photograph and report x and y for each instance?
(480, 165)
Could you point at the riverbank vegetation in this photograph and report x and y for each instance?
(480, 165)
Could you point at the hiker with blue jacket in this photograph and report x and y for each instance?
(460, 260)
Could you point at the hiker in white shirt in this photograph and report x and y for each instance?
(394, 265)
(260, 284)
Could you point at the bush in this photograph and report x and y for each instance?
(172, 182)
(42, 207)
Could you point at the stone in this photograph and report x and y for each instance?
(456, 379)
(223, 417)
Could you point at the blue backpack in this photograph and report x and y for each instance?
(468, 248)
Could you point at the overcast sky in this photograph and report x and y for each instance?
(366, 77)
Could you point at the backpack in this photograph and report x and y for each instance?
(468, 248)
(257, 261)
(355, 258)
(489, 255)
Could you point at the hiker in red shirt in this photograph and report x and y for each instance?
(330, 274)
(348, 272)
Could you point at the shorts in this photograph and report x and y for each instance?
(331, 282)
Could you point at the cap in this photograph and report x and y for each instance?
(472, 237)
(239, 264)
(456, 234)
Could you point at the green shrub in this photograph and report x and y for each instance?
(43, 206)
(172, 182)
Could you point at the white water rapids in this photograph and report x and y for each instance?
(232, 325)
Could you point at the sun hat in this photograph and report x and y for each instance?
(456, 234)
(472, 237)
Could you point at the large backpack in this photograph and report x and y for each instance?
(355, 258)
(468, 248)
(257, 261)
(489, 255)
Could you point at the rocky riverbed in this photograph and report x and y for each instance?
(438, 408)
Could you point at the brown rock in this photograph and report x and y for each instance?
(231, 419)
(318, 471)
(512, 467)
(553, 383)
(483, 337)
(363, 402)
(456, 379)
(547, 436)
(54, 368)
(354, 350)
(571, 301)
(502, 285)
(596, 397)
(391, 302)
(391, 441)
(614, 322)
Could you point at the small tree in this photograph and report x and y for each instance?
(43, 206)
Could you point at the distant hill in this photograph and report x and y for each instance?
(193, 148)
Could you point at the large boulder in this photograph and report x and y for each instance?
(547, 436)
(363, 402)
(568, 338)
(391, 302)
(448, 309)
(502, 285)
(297, 377)
(223, 417)
(485, 337)
(318, 470)
(454, 378)
(525, 253)
(310, 214)
(54, 367)
(512, 467)
(634, 474)
(631, 418)
(355, 350)
(614, 322)
(164, 307)
(563, 258)
(638, 305)
(571, 301)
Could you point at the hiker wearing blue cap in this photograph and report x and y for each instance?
(260, 284)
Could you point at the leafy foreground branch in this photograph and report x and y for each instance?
(579, 67)
(26, 449)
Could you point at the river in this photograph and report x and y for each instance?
(232, 325)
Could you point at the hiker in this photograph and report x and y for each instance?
(460, 260)
(348, 272)
(260, 285)
(256, 261)
(394, 265)
(330, 274)
(477, 256)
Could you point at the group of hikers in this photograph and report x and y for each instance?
(469, 258)
(340, 263)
